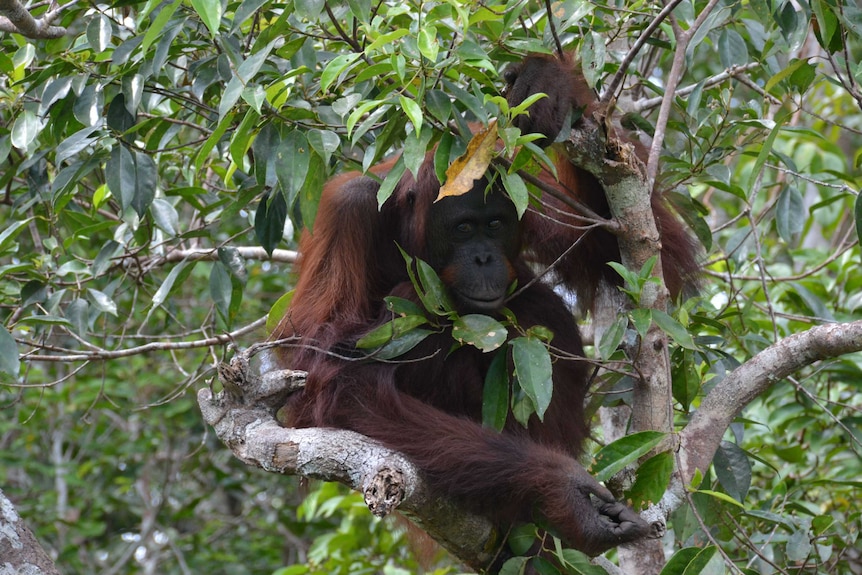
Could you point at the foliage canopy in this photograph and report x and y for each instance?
(147, 153)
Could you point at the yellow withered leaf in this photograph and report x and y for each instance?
(472, 165)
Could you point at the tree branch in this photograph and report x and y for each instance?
(19, 550)
(701, 437)
(243, 415)
(17, 20)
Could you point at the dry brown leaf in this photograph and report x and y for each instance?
(472, 165)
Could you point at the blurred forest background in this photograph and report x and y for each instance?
(137, 144)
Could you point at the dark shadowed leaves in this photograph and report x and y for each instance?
(533, 371)
(269, 221)
(132, 177)
(733, 470)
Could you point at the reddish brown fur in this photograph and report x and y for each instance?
(430, 408)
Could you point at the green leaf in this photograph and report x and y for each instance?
(413, 111)
(102, 301)
(653, 477)
(790, 213)
(359, 112)
(309, 9)
(334, 69)
(415, 147)
(576, 562)
(521, 538)
(826, 27)
(157, 25)
(278, 311)
(514, 566)
(684, 377)
(390, 330)
(234, 262)
(495, 393)
(385, 39)
(788, 20)
(480, 331)
(624, 451)
(99, 32)
(10, 364)
(688, 561)
(439, 105)
(732, 50)
(230, 96)
(674, 329)
(802, 77)
(391, 180)
(176, 276)
(211, 142)
(401, 306)
(432, 290)
(361, 9)
(133, 90)
(132, 178)
(269, 221)
(165, 216)
(247, 9)
(25, 128)
(118, 116)
(291, 164)
(242, 138)
(54, 91)
(428, 45)
(733, 470)
(402, 344)
(784, 73)
(210, 12)
(517, 191)
(221, 289)
(77, 313)
(721, 496)
(324, 142)
(613, 336)
(641, 320)
(533, 371)
(13, 228)
(799, 546)
(312, 189)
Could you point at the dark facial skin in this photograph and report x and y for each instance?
(472, 240)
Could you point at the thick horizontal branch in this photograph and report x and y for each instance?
(16, 19)
(701, 437)
(243, 416)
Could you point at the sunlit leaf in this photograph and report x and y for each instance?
(210, 12)
(652, 479)
(99, 32)
(480, 331)
(25, 128)
(688, 561)
(428, 45)
(624, 451)
(413, 111)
